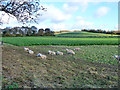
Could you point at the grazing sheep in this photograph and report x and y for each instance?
(26, 49)
(31, 52)
(77, 49)
(41, 55)
(69, 51)
(59, 53)
(51, 52)
(117, 57)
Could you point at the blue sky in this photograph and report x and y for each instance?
(77, 15)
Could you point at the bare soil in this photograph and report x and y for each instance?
(55, 72)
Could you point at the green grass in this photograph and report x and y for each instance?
(92, 53)
(85, 34)
(98, 53)
(28, 41)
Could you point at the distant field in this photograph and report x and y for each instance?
(28, 41)
(85, 34)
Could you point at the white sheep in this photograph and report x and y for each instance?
(117, 57)
(31, 52)
(51, 52)
(26, 49)
(41, 56)
(59, 53)
(77, 49)
(69, 51)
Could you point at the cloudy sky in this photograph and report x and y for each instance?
(77, 15)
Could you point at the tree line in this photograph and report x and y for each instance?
(26, 31)
(101, 31)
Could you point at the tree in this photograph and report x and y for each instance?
(47, 31)
(21, 32)
(41, 32)
(34, 30)
(24, 10)
(29, 32)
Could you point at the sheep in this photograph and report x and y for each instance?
(31, 52)
(59, 53)
(77, 49)
(117, 57)
(51, 52)
(69, 51)
(26, 49)
(41, 55)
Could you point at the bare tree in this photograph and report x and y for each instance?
(24, 10)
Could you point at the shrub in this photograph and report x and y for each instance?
(19, 35)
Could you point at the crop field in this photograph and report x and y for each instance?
(91, 67)
(28, 41)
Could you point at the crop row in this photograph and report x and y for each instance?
(28, 41)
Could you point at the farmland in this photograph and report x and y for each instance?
(93, 66)
(28, 41)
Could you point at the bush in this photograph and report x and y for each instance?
(7, 35)
(19, 35)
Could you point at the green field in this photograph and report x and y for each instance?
(86, 34)
(28, 41)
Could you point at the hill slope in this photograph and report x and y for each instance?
(84, 34)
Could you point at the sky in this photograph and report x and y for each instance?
(75, 15)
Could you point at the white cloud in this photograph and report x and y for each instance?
(8, 19)
(78, 18)
(55, 15)
(73, 26)
(58, 27)
(102, 11)
(75, 4)
(70, 9)
(84, 5)
(82, 24)
(116, 27)
(55, 26)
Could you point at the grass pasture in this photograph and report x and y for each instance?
(91, 67)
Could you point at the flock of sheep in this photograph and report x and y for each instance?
(69, 51)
